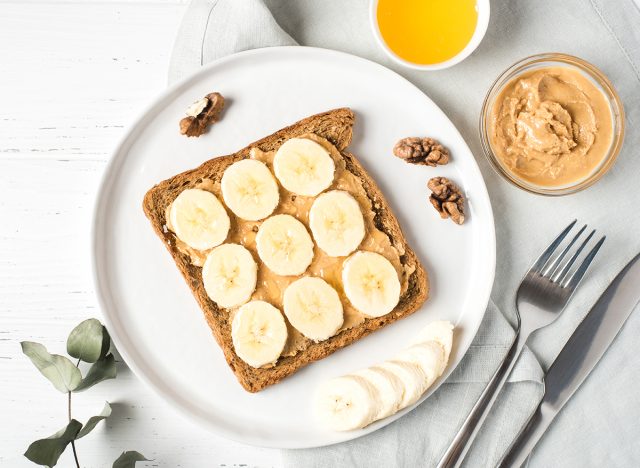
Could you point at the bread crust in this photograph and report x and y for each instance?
(335, 126)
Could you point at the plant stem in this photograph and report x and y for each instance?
(73, 443)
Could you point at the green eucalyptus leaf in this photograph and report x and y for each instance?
(129, 459)
(89, 341)
(58, 369)
(94, 420)
(100, 370)
(47, 451)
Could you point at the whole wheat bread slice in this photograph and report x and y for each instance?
(335, 126)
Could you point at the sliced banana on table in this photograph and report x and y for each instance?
(284, 245)
(371, 283)
(313, 307)
(346, 403)
(229, 275)
(389, 387)
(250, 190)
(259, 333)
(198, 219)
(337, 223)
(304, 167)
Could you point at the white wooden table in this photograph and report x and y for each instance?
(72, 75)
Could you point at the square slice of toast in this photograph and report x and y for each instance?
(336, 127)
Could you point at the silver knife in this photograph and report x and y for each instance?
(579, 356)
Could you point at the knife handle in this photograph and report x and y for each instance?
(460, 444)
(520, 449)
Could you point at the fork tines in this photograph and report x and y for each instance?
(556, 269)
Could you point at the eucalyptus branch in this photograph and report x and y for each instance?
(73, 442)
(88, 342)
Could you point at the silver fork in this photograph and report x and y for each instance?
(542, 295)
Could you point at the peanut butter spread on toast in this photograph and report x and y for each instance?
(270, 286)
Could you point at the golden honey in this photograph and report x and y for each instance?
(427, 32)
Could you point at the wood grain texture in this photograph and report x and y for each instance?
(72, 76)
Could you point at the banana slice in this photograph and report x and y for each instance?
(337, 223)
(414, 380)
(389, 387)
(313, 307)
(229, 275)
(259, 333)
(441, 332)
(371, 283)
(250, 190)
(303, 167)
(346, 403)
(198, 219)
(429, 356)
(284, 245)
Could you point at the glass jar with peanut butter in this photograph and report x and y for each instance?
(552, 124)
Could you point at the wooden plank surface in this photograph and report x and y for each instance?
(72, 76)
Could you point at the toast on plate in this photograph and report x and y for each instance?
(333, 131)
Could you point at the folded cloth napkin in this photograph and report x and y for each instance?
(212, 29)
(600, 425)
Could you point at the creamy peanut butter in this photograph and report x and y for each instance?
(551, 126)
(270, 287)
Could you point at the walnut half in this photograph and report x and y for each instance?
(425, 151)
(447, 199)
(201, 114)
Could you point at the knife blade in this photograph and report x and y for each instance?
(579, 356)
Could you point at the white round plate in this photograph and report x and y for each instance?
(156, 323)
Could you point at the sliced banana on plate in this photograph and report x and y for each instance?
(284, 245)
(429, 356)
(229, 275)
(198, 219)
(441, 332)
(386, 388)
(413, 378)
(389, 387)
(336, 223)
(304, 167)
(259, 333)
(346, 403)
(250, 190)
(313, 307)
(371, 283)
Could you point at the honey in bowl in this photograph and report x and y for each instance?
(426, 32)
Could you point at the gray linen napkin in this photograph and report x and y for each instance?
(211, 29)
(600, 425)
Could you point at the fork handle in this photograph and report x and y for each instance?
(460, 444)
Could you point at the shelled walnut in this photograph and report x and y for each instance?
(201, 114)
(416, 150)
(447, 199)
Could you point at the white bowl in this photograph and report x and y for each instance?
(478, 34)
